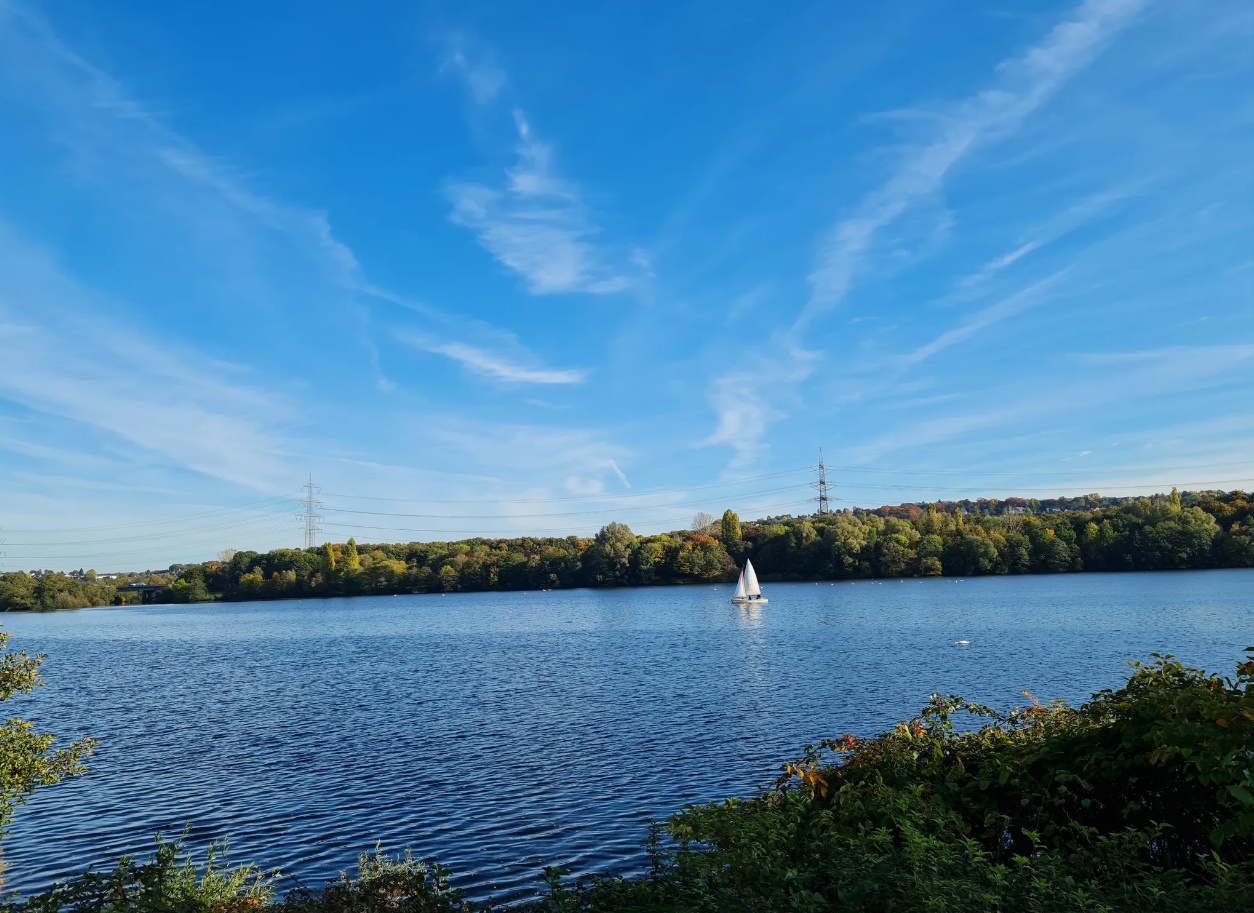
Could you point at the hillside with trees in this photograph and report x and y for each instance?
(1195, 530)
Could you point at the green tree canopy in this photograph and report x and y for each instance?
(609, 556)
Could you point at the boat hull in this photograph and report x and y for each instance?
(745, 600)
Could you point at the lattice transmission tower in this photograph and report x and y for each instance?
(825, 506)
(310, 516)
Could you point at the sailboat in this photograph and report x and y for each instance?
(747, 590)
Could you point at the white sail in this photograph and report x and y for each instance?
(740, 587)
(751, 580)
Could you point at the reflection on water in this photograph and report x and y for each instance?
(502, 732)
(751, 616)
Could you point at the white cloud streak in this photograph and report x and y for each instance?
(1138, 375)
(743, 415)
(1024, 83)
(744, 412)
(982, 320)
(166, 401)
(105, 129)
(1053, 229)
(537, 225)
(1186, 358)
(622, 476)
(482, 76)
(496, 366)
(541, 451)
(124, 147)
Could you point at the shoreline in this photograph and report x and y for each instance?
(685, 584)
(1193, 531)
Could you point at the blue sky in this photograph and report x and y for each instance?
(494, 268)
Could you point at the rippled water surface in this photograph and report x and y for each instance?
(502, 732)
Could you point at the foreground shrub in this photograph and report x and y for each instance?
(170, 881)
(383, 883)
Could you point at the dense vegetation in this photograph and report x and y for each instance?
(1197, 530)
(1140, 800)
(25, 593)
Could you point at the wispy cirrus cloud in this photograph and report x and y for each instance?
(1060, 225)
(1024, 82)
(536, 224)
(196, 412)
(743, 415)
(116, 141)
(594, 486)
(740, 400)
(495, 365)
(259, 246)
(983, 319)
(1206, 354)
(474, 64)
(574, 460)
(1130, 377)
(1187, 360)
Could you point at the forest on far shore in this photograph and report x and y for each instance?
(1166, 532)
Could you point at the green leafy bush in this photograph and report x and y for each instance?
(170, 881)
(383, 883)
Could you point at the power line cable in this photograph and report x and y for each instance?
(522, 535)
(275, 529)
(226, 529)
(148, 523)
(602, 497)
(574, 513)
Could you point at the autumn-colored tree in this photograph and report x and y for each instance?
(703, 558)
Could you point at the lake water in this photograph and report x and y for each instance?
(499, 732)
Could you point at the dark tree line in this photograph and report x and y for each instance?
(24, 593)
(1200, 530)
